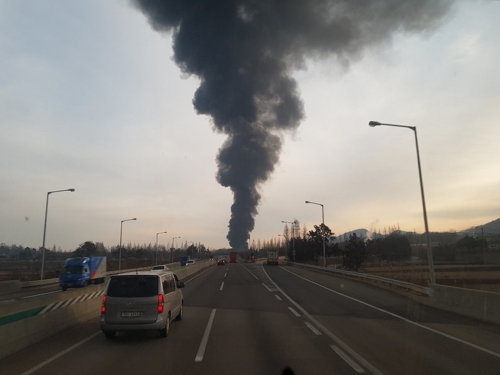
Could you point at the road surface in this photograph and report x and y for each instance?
(257, 319)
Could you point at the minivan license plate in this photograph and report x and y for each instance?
(130, 314)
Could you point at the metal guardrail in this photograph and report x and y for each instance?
(401, 284)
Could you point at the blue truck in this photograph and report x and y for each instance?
(80, 272)
(184, 260)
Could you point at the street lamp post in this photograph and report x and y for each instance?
(172, 250)
(429, 248)
(323, 221)
(45, 226)
(293, 237)
(121, 230)
(156, 247)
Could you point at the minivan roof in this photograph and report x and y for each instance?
(145, 273)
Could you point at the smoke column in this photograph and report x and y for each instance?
(244, 53)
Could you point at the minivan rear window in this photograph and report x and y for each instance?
(133, 286)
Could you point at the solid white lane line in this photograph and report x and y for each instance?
(349, 361)
(266, 287)
(402, 318)
(313, 328)
(278, 297)
(201, 273)
(294, 312)
(41, 294)
(204, 340)
(221, 285)
(251, 273)
(60, 354)
(323, 329)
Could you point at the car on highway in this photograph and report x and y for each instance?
(160, 267)
(141, 301)
(221, 262)
(190, 261)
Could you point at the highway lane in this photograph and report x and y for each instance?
(253, 332)
(378, 324)
(10, 297)
(256, 329)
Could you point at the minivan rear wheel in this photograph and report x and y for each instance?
(164, 331)
(109, 334)
(179, 316)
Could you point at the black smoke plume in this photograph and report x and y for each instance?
(244, 53)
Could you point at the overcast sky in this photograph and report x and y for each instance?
(90, 99)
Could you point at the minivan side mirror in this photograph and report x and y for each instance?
(180, 284)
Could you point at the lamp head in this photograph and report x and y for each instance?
(72, 190)
(374, 123)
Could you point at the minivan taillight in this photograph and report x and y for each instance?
(160, 303)
(103, 307)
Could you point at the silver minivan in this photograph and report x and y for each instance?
(141, 301)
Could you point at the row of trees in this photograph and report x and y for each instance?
(89, 248)
(392, 246)
(466, 249)
(308, 246)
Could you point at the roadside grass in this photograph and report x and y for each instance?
(477, 277)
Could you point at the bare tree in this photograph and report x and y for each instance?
(286, 233)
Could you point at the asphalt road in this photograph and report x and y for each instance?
(254, 319)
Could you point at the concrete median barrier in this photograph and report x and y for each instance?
(28, 321)
(10, 286)
(476, 304)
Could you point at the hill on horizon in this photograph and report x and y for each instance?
(493, 227)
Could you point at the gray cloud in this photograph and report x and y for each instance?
(243, 52)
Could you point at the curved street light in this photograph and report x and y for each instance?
(429, 248)
(121, 229)
(323, 221)
(45, 225)
(156, 247)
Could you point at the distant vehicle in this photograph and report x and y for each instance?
(141, 301)
(221, 262)
(160, 267)
(80, 272)
(273, 257)
(233, 257)
(184, 260)
(190, 261)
